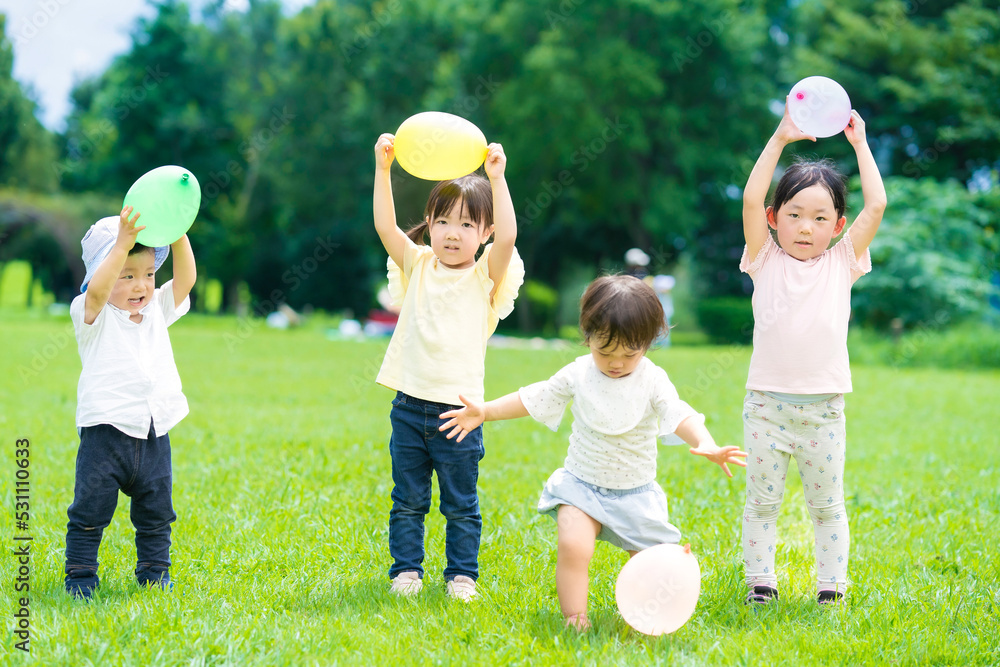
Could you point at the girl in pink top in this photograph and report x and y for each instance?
(799, 369)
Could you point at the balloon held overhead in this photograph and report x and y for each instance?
(658, 589)
(819, 106)
(167, 199)
(438, 146)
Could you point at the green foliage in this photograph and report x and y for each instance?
(282, 488)
(626, 123)
(15, 284)
(726, 320)
(27, 150)
(540, 302)
(922, 75)
(968, 346)
(933, 257)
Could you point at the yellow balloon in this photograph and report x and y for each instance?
(439, 146)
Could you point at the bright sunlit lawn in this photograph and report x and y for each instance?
(282, 482)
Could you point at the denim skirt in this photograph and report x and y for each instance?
(632, 519)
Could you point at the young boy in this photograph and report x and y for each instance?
(129, 396)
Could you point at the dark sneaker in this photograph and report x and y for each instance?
(761, 595)
(830, 598)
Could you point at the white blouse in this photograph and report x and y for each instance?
(616, 421)
(129, 377)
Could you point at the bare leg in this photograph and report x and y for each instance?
(577, 536)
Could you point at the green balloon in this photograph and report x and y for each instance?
(168, 199)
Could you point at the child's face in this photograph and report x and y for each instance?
(134, 287)
(614, 360)
(455, 237)
(806, 222)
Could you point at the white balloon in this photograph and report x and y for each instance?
(819, 106)
(658, 589)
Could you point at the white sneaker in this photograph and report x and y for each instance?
(407, 583)
(461, 588)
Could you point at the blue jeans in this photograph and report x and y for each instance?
(418, 448)
(108, 461)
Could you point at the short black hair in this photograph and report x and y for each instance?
(805, 173)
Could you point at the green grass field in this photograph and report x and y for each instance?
(282, 482)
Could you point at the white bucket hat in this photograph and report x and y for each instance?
(98, 242)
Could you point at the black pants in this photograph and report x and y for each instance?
(108, 461)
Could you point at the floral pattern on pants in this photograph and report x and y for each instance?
(815, 436)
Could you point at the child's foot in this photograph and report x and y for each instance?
(761, 595)
(407, 584)
(82, 583)
(578, 622)
(81, 591)
(461, 588)
(833, 598)
(151, 579)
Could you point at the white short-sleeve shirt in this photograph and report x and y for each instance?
(616, 421)
(129, 377)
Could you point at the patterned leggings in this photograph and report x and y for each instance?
(815, 435)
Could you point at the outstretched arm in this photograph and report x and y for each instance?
(103, 281)
(692, 431)
(393, 238)
(504, 219)
(755, 229)
(464, 420)
(866, 224)
(185, 272)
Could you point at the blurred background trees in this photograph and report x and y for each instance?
(627, 123)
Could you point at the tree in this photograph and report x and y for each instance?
(934, 256)
(923, 74)
(26, 148)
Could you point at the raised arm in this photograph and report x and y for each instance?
(393, 238)
(755, 229)
(692, 431)
(504, 219)
(464, 420)
(866, 224)
(103, 281)
(185, 272)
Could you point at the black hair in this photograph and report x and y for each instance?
(475, 193)
(805, 173)
(138, 247)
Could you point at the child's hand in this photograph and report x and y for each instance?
(787, 131)
(855, 130)
(127, 231)
(384, 151)
(496, 161)
(464, 420)
(721, 455)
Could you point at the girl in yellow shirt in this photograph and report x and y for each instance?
(450, 303)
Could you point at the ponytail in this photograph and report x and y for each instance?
(416, 232)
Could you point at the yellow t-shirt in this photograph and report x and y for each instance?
(438, 349)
